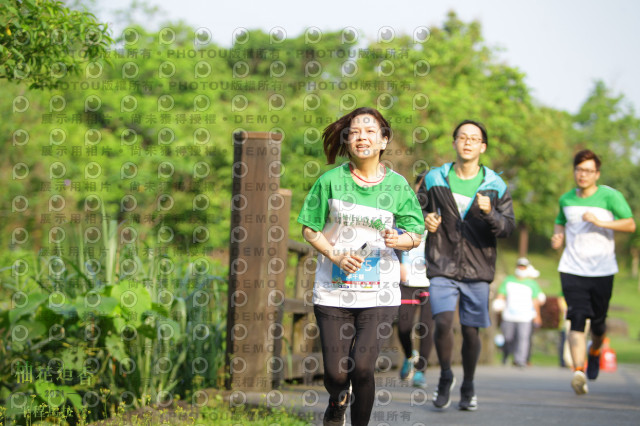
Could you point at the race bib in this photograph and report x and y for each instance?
(367, 278)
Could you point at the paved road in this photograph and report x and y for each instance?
(506, 396)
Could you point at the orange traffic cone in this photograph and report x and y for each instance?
(608, 359)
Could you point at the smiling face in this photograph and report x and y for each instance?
(468, 143)
(365, 140)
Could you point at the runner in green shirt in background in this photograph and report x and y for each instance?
(588, 217)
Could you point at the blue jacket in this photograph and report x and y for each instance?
(464, 247)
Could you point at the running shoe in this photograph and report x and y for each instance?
(335, 414)
(407, 370)
(593, 366)
(468, 399)
(579, 383)
(468, 403)
(442, 397)
(419, 381)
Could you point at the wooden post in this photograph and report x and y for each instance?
(253, 284)
(303, 324)
(279, 208)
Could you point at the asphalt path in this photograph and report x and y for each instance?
(506, 396)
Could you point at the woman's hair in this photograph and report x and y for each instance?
(586, 155)
(485, 136)
(335, 135)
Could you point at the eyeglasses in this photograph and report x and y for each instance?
(465, 138)
(587, 172)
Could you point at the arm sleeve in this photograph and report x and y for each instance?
(316, 206)
(535, 289)
(620, 207)
(503, 288)
(409, 216)
(560, 218)
(502, 219)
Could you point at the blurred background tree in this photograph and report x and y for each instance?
(43, 40)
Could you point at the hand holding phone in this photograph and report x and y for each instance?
(364, 251)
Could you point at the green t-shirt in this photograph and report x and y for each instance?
(349, 215)
(589, 249)
(464, 190)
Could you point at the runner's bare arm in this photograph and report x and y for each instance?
(558, 237)
(348, 262)
(621, 225)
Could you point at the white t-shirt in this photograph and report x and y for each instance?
(416, 263)
(589, 249)
(519, 294)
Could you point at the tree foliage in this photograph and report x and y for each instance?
(41, 41)
(142, 134)
(607, 124)
(172, 83)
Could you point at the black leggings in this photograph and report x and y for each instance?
(413, 299)
(351, 339)
(471, 345)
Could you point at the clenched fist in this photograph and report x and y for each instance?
(484, 203)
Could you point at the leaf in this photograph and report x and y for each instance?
(168, 327)
(132, 297)
(118, 323)
(57, 395)
(30, 307)
(160, 309)
(148, 331)
(116, 347)
(106, 306)
(34, 330)
(4, 319)
(73, 358)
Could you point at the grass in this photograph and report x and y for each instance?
(216, 413)
(538, 358)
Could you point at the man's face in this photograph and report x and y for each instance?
(468, 143)
(586, 174)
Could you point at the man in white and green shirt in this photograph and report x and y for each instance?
(588, 217)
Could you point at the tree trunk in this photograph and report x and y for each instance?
(635, 263)
(523, 240)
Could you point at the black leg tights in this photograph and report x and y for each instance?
(444, 345)
(424, 329)
(424, 326)
(351, 341)
(443, 338)
(470, 352)
(405, 325)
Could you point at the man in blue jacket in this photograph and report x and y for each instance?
(467, 207)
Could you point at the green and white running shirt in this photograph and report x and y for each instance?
(589, 249)
(519, 294)
(349, 215)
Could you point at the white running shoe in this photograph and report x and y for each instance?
(579, 383)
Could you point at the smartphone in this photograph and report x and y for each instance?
(364, 251)
(438, 214)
